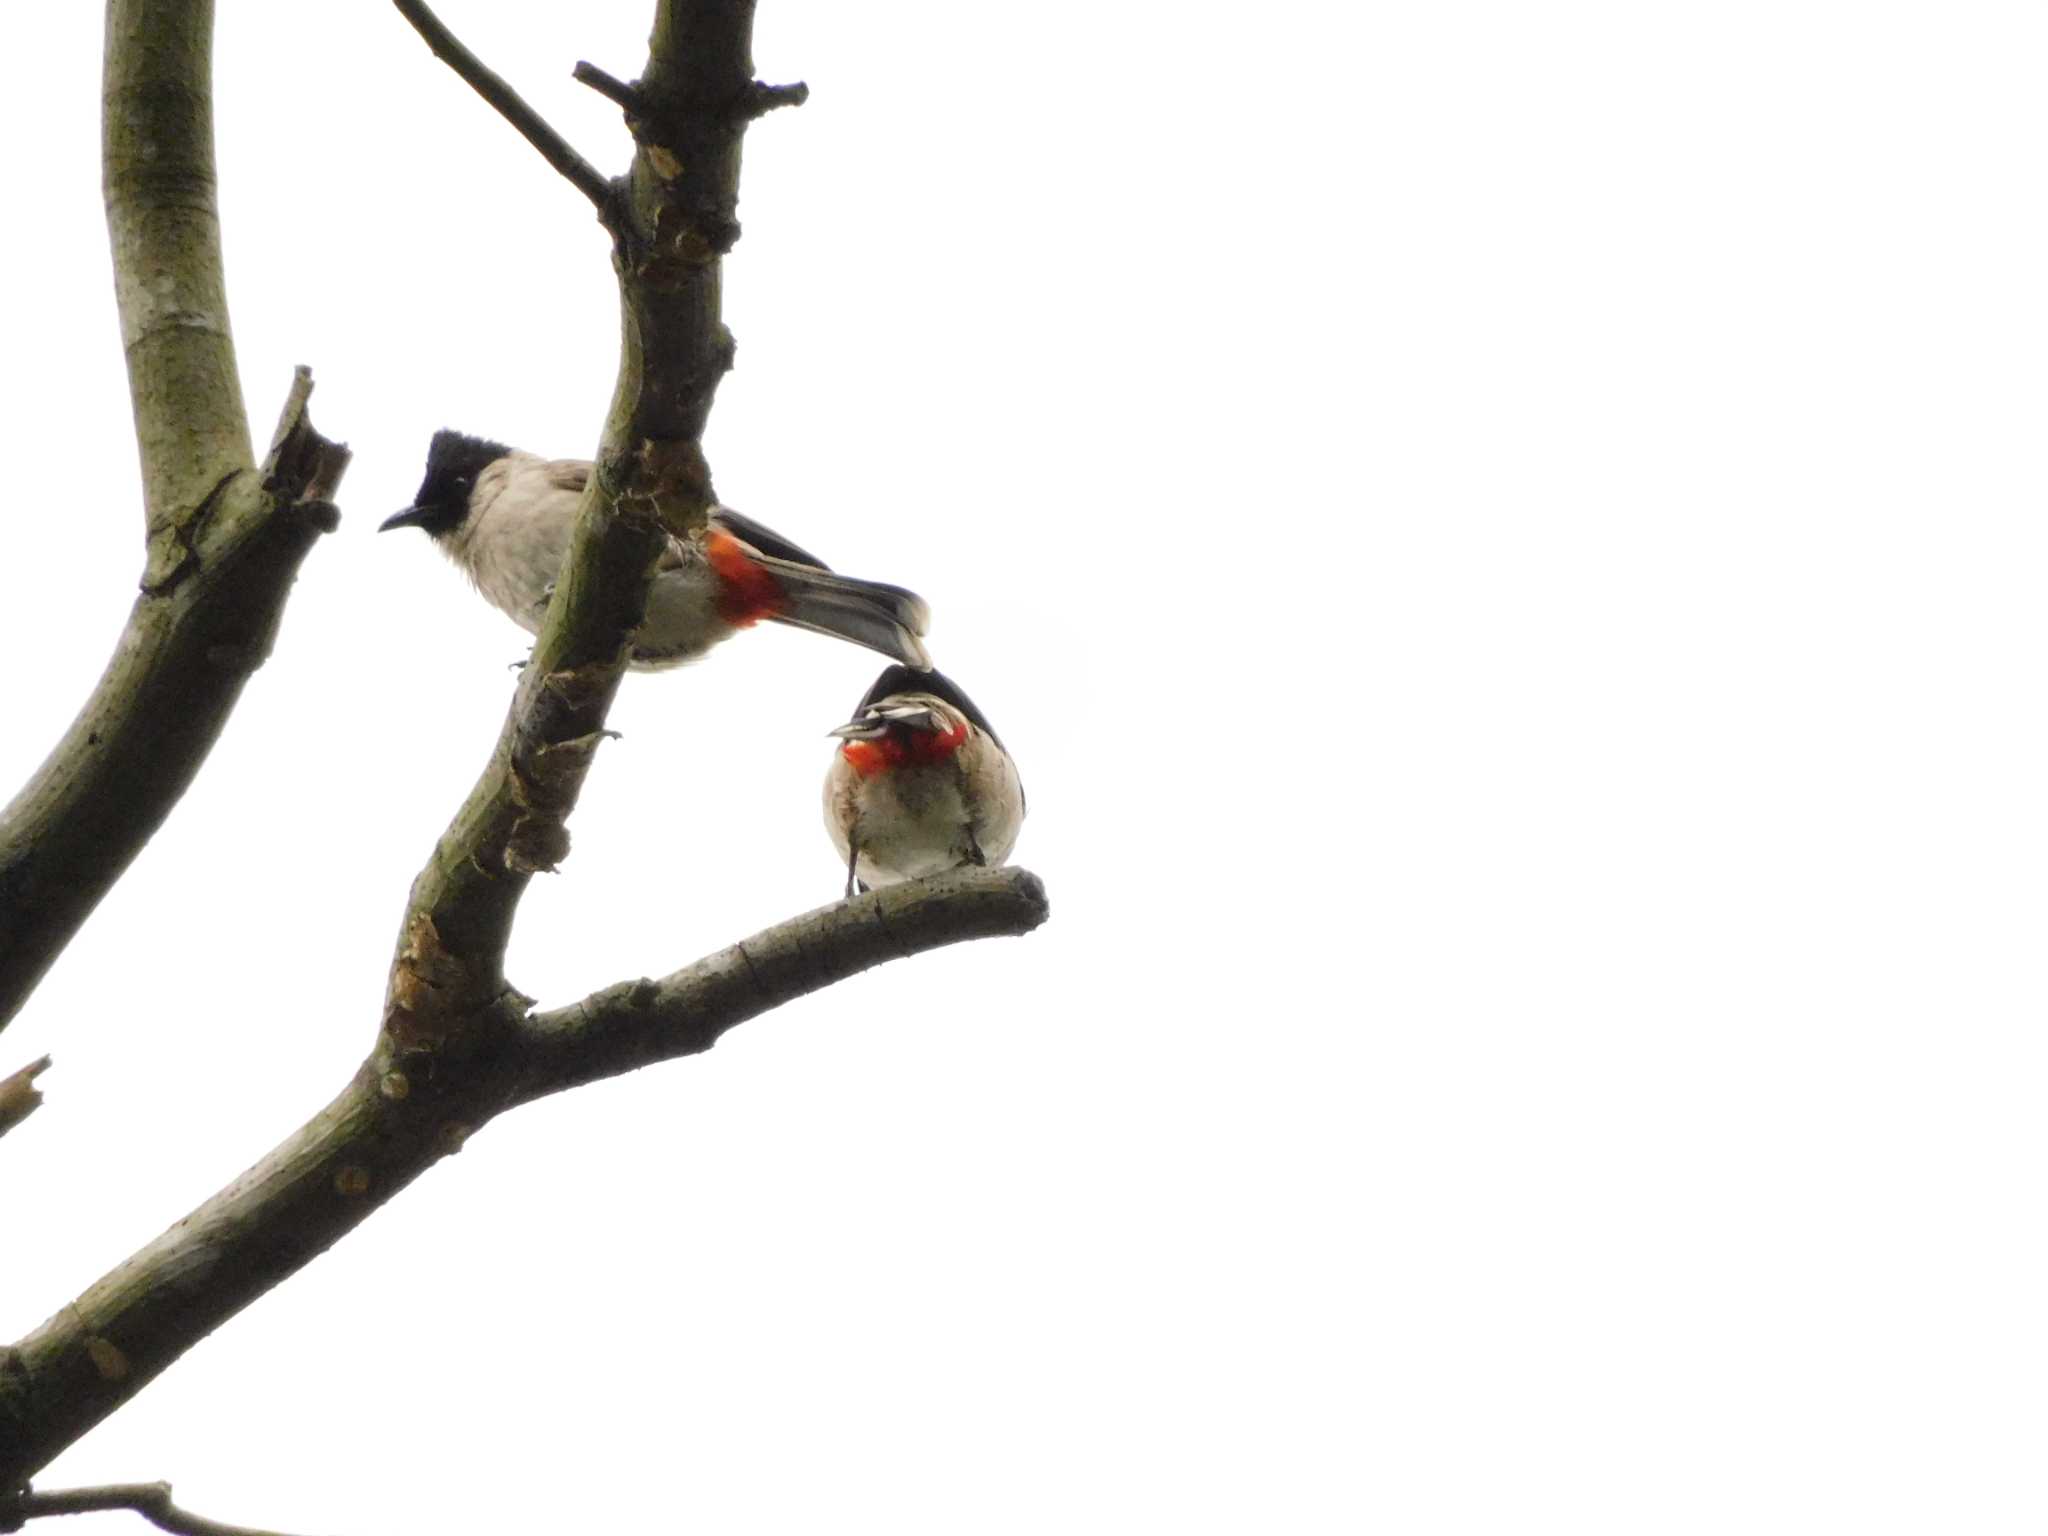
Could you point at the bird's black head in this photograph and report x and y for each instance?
(454, 460)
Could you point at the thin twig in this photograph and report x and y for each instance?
(152, 1501)
(536, 130)
(19, 1097)
(611, 87)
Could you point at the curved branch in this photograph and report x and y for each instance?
(157, 176)
(224, 542)
(638, 1022)
(152, 1501)
(388, 1126)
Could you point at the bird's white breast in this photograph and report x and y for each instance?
(516, 536)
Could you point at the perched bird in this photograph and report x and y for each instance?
(921, 783)
(505, 517)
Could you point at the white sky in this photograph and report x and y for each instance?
(1507, 542)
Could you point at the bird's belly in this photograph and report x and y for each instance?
(912, 822)
(514, 566)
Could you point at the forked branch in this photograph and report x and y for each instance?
(458, 1045)
(390, 1124)
(671, 226)
(224, 540)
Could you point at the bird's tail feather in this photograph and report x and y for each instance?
(870, 613)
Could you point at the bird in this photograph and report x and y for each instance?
(504, 516)
(920, 783)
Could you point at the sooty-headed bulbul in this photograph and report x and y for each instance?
(505, 518)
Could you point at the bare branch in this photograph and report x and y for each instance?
(19, 1096)
(534, 128)
(224, 542)
(397, 1119)
(152, 1501)
(672, 225)
(635, 1023)
(458, 1044)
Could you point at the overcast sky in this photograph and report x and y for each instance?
(1507, 542)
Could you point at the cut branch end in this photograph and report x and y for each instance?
(302, 462)
(762, 98)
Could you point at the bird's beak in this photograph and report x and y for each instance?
(859, 730)
(411, 517)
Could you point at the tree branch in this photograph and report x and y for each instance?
(152, 1501)
(157, 178)
(534, 128)
(635, 1023)
(390, 1124)
(224, 542)
(458, 1045)
(671, 226)
(19, 1096)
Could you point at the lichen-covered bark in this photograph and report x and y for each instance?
(224, 538)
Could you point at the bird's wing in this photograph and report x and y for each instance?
(567, 474)
(574, 474)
